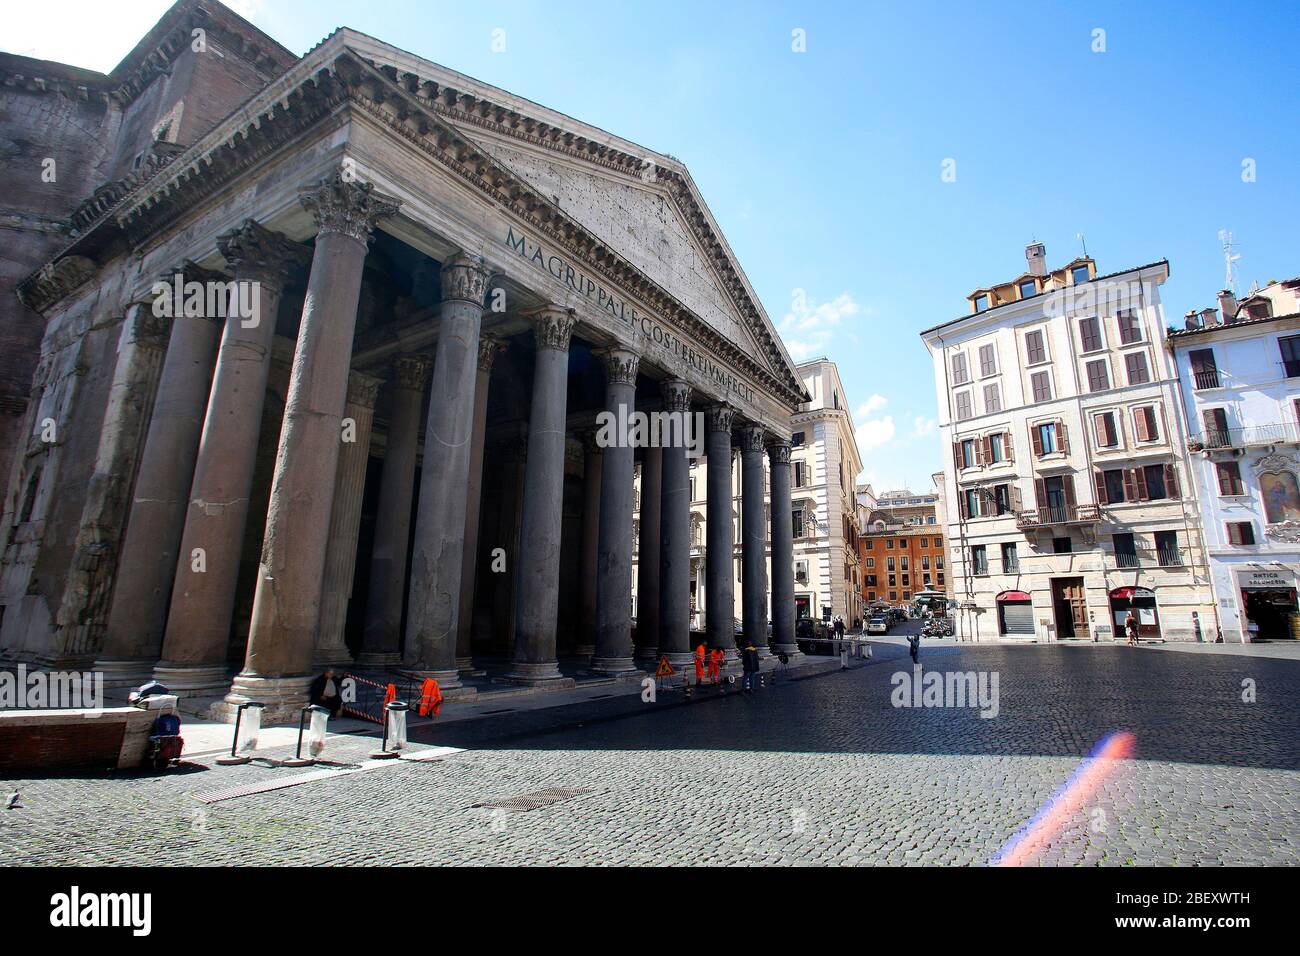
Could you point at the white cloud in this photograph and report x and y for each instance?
(924, 426)
(873, 404)
(874, 432)
(809, 325)
(102, 35)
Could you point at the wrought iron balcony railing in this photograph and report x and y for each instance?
(1277, 433)
(1061, 515)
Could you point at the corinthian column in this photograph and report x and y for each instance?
(719, 558)
(675, 533)
(207, 566)
(488, 349)
(345, 522)
(538, 602)
(647, 592)
(593, 460)
(753, 537)
(614, 552)
(381, 644)
(439, 548)
(783, 632)
(287, 600)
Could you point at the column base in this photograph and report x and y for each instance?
(378, 660)
(646, 655)
(284, 697)
(124, 672)
(193, 680)
(789, 650)
(584, 650)
(615, 666)
(764, 651)
(447, 679)
(545, 674)
(334, 657)
(465, 667)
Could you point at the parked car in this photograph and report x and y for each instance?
(812, 636)
(878, 625)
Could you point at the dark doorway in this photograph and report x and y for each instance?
(1070, 609)
(1271, 609)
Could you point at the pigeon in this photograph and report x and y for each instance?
(12, 803)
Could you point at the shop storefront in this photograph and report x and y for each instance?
(1015, 614)
(1268, 602)
(1142, 602)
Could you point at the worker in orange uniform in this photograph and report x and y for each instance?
(716, 657)
(699, 664)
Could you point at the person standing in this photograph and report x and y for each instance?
(1131, 627)
(749, 657)
(914, 647)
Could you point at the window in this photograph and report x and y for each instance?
(967, 453)
(796, 439)
(1090, 334)
(970, 503)
(925, 543)
(1135, 363)
(1157, 487)
(1041, 383)
(1035, 350)
(1144, 424)
(959, 373)
(1049, 438)
(889, 563)
(1010, 558)
(1215, 421)
(893, 580)
(1230, 478)
(1290, 347)
(890, 544)
(1205, 373)
(1110, 486)
(938, 562)
(981, 302)
(1241, 532)
(1079, 274)
(1002, 499)
(925, 562)
(992, 398)
(1062, 546)
(963, 406)
(988, 360)
(1167, 549)
(1126, 555)
(1130, 328)
(1098, 376)
(979, 559)
(871, 562)
(1145, 483)
(902, 563)
(1028, 288)
(995, 448)
(1107, 433)
(797, 522)
(800, 473)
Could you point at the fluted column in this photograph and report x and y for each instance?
(647, 591)
(290, 576)
(439, 547)
(753, 537)
(382, 639)
(207, 566)
(592, 464)
(675, 535)
(720, 607)
(538, 597)
(783, 631)
(134, 636)
(488, 349)
(614, 552)
(345, 521)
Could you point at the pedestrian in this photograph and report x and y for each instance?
(914, 647)
(1131, 627)
(325, 692)
(749, 657)
(716, 657)
(699, 664)
(839, 626)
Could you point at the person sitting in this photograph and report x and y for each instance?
(326, 692)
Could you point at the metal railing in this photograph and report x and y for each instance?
(1146, 556)
(1277, 433)
(1062, 514)
(1207, 378)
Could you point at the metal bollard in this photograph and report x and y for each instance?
(251, 726)
(395, 719)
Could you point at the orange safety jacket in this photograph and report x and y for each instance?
(716, 657)
(699, 663)
(430, 698)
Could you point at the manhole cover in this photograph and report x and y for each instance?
(535, 800)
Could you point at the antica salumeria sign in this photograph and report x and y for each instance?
(618, 308)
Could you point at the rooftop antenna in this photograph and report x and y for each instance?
(1079, 236)
(1229, 260)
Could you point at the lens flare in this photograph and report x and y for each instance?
(1068, 800)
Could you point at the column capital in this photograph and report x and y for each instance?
(751, 438)
(412, 371)
(489, 347)
(676, 395)
(464, 278)
(553, 326)
(620, 365)
(778, 450)
(719, 416)
(363, 389)
(347, 207)
(256, 252)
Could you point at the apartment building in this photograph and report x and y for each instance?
(1068, 499)
(901, 546)
(1239, 372)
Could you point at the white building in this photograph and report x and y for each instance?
(1240, 380)
(1067, 498)
(824, 462)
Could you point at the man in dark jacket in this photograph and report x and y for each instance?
(325, 691)
(749, 658)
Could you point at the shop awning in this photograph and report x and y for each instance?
(1128, 594)
(1012, 596)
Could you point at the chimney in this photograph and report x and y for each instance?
(1209, 317)
(1228, 306)
(1036, 256)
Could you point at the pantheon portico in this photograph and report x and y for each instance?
(392, 463)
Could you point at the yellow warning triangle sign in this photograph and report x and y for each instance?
(665, 669)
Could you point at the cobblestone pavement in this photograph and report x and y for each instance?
(818, 770)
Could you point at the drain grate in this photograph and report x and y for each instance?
(266, 786)
(535, 800)
(501, 710)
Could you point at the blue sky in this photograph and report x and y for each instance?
(823, 167)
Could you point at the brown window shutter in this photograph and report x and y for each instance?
(986, 445)
(1063, 436)
(1036, 440)
(1099, 480)
(1140, 421)
(1152, 428)
(1130, 485)
(1067, 482)
(1171, 481)
(1140, 476)
(1009, 450)
(1225, 479)
(956, 455)
(961, 503)
(1016, 504)
(1040, 493)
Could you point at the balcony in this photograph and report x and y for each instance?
(1206, 378)
(1248, 436)
(1063, 515)
(1148, 557)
